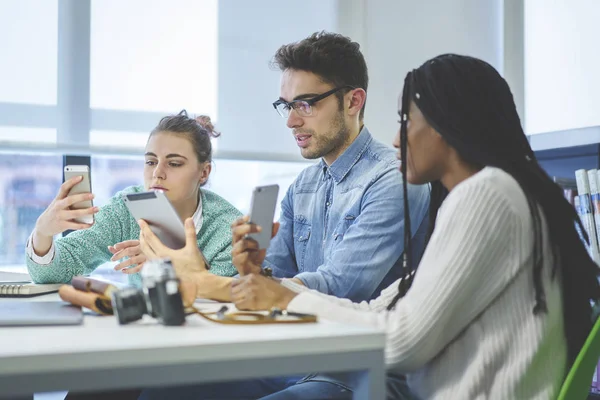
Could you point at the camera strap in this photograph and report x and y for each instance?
(275, 316)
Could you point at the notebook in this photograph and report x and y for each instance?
(16, 284)
(31, 313)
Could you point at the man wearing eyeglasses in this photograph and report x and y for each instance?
(341, 225)
(342, 221)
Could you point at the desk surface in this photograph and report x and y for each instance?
(62, 357)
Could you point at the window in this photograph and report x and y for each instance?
(29, 184)
(119, 139)
(235, 179)
(154, 55)
(29, 55)
(148, 59)
(111, 174)
(231, 179)
(23, 134)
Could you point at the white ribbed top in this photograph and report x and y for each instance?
(466, 329)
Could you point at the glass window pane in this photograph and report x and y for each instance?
(28, 39)
(20, 134)
(119, 139)
(153, 55)
(28, 183)
(235, 179)
(111, 174)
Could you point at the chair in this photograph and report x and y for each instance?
(577, 384)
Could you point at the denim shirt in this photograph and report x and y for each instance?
(342, 226)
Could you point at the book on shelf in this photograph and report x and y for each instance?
(585, 209)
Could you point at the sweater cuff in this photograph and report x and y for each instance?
(314, 280)
(306, 303)
(44, 260)
(293, 286)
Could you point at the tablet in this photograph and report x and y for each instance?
(157, 211)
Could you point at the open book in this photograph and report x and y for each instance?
(16, 284)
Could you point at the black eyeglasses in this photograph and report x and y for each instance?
(304, 108)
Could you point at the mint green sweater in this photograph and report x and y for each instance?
(81, 252)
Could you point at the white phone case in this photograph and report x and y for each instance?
(84, 186)
(262, 213)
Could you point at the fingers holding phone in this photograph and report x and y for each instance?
(187, 260)
(247, 257)
(250, 238)
(78, 198)
(68, 210)
(61, 215)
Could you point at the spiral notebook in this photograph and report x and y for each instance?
(16, 284)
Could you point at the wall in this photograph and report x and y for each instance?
(399, 35)
(562, 42)
(249, 35)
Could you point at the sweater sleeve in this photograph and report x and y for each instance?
(215, 237)
(472, 256)
(81, 252)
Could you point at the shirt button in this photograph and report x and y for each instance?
(328, 204)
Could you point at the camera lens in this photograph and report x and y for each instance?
(129, 305)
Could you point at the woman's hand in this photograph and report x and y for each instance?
(59, 217)
(186, 261)
(132, 250)
(246, 256)
(257, 292)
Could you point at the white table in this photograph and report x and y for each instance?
(101, 355)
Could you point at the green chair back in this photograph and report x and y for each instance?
(578, 382)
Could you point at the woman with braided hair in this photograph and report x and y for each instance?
(500, 303)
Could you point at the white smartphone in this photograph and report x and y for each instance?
(262, 213)
(85, 186)
(157, 211)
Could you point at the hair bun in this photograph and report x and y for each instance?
(206, 123)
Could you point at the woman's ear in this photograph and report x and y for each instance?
(205, 172)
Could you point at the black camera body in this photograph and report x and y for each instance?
(159, 296)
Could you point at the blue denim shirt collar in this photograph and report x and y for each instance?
(344, 163)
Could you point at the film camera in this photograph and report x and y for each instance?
(159, 296)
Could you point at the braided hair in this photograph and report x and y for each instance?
(471, 106)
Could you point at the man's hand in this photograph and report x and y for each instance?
(246, 255)
(256, 292)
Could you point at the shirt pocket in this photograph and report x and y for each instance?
(342, 227)
(301, 235)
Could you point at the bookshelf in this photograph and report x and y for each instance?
(561, 163)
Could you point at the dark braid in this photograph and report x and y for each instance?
(407, 269)
(467, 102)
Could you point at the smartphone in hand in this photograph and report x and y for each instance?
(85, 186)
(262, 213)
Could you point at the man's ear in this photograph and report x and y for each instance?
(356, 100)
